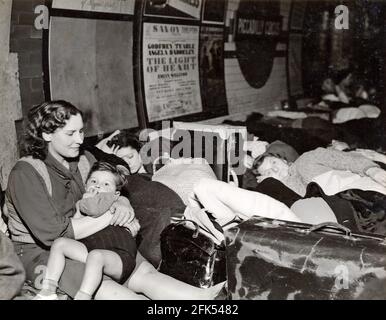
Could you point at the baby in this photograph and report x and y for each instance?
(111, 251)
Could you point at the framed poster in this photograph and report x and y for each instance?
(212, 69)
(178, 9)
(91, 65)
(170, 70)
(105, 6)
(213, 11)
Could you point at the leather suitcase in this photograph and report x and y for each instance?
(278, 260)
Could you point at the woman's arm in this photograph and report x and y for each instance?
(86, 226)
(123, 212)
(28, 194)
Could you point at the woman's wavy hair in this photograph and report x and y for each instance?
(119, 172)
(46, 117)
(124, 140)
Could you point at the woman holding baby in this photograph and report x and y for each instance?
(42, 193)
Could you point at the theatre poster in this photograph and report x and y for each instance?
(174, 9)
(104, 6)
(171, 70)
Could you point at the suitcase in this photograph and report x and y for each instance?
(279, 260)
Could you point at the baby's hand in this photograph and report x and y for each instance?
(133, 226)
(90, 192)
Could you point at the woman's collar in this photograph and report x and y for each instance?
(54, 163)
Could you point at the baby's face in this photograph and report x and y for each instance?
(101, 181)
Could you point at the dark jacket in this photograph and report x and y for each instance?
(12, 274)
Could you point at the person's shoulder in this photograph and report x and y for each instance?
(89, 156)
(139, 178)
(317, 150)
(24, 165)
(23, 173)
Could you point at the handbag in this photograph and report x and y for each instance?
(191, 256)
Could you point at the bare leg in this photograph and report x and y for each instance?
(155, 285)
(61, 249)
(224, 201)
(64, 248)
(111, 290)
(100, 262)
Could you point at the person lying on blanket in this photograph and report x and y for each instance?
(299, 174)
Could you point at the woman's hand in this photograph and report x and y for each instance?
(378, 175)
(248, 161)
(122, 214)
(102, 145)
(133, 226)
(256, 147)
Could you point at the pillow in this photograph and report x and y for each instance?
(181, 175)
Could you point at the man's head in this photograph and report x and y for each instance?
(270, 166)
(328, 85)
(275, 161)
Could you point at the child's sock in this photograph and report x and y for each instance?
(80, 295)
(48, 287)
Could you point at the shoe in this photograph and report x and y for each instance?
(39, 296)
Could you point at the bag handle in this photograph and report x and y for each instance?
(233, 175)
(198, 227)
(195, 234)
(331, 225)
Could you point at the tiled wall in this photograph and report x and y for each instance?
(242, 98)
(10, 106)
(26, 41)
